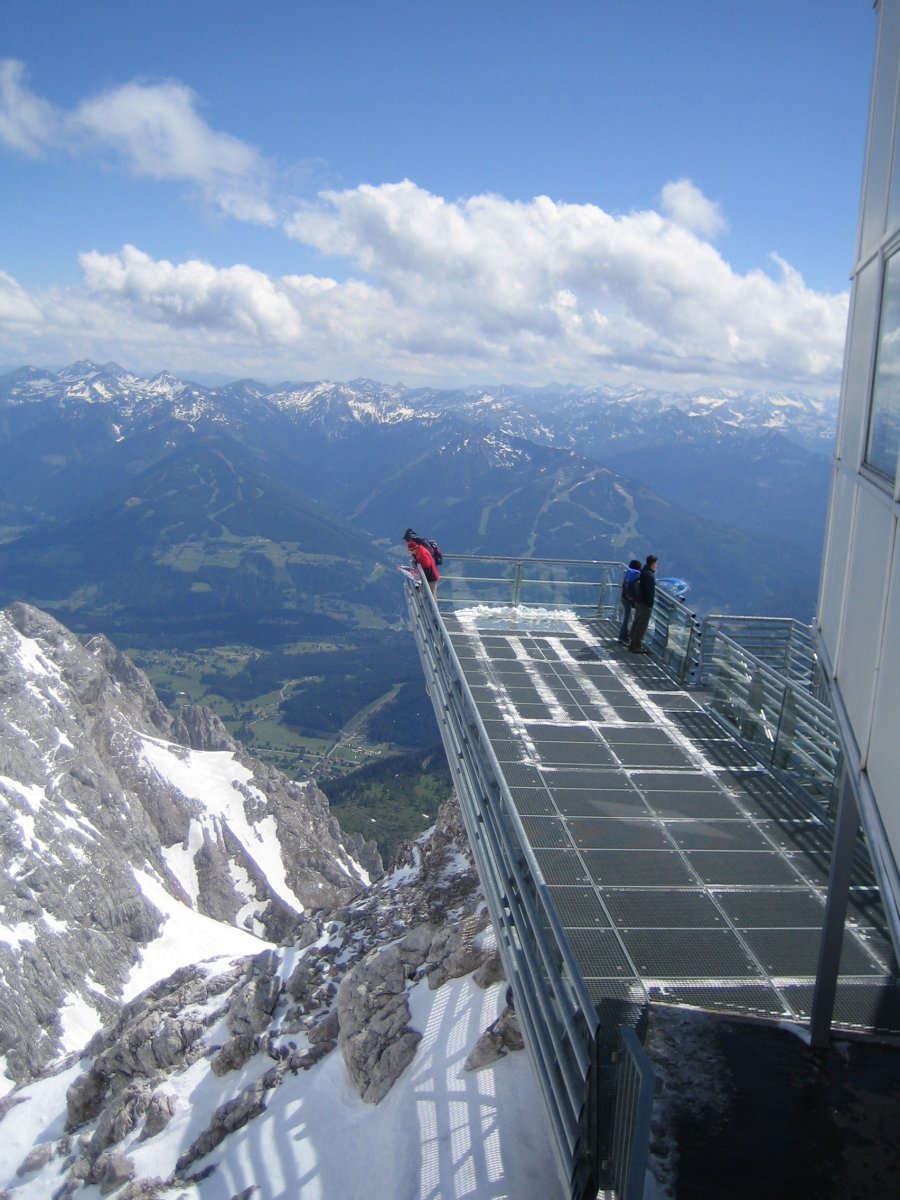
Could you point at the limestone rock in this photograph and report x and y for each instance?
(230, 1116)
(375, 1038)
(111, 1171)
(160, 1110)
(499, 1038)
(36, 1158)
(234, 1054)
(81, 727)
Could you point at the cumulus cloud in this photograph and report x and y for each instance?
(156, 130)
(476, 289)
(16, 306)
(153, 128)
(484, 289)
(28, 124)
(685, 204)
(527, 282)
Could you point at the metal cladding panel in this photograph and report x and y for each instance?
(860, 642)
(795, 952)
(834, 583)
(689, 953)
(669, 909)
(616, 833)
(882, 761)
(793, 909)
(749, 999)
(579, 907)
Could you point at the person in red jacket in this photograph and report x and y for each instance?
(423, 556)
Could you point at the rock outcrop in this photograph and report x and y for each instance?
(113, 813)
(260, 1021)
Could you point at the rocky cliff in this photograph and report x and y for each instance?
(118, 823)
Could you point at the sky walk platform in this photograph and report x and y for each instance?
(681, 870)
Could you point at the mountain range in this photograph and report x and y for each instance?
(132, 505)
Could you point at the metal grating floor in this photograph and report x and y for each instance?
(675, 862)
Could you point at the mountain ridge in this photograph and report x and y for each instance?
(735, 460)
(92, 764)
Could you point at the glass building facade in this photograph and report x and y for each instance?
(858, 621)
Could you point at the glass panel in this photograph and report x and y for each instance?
(884, 419)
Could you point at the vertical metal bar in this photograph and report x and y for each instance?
(688, 649)
(775, 740)
(789, 650)
(517, 584)
(845, 832)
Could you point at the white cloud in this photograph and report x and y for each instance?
(153, 128)
(16, 306)
(529, 284)
(468, 290)
(685, 204)
(157, 131)
(476, 290)
(28, 124)
(234, 300)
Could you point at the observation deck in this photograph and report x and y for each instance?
(648, 829)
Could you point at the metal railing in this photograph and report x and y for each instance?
(589, 588)
(558, 1019)
(631, 1121)
(785, 645)
(575, 1050)
(775, 715)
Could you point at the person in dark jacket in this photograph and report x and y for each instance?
(629, 582)
(423, 556)
(646, 594)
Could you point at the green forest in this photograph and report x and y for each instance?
(394, 799)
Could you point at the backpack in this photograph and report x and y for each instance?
(411, 536)
(631, 588)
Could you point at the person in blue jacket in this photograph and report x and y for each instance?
(629, 599)
(646, 594)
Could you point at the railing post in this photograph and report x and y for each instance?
(517, 583)
(845, 834)
(788, 650)
(787, 724)
(688, 651)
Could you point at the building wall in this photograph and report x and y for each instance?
(859, 599)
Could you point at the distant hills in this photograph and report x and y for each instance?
(139, 505)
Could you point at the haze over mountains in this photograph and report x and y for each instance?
(140, 505)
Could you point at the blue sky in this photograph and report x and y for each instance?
(597, 192)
